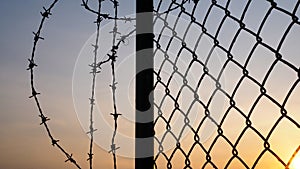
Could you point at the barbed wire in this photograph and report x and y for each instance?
(95, 69)
(113, 86)
(180, 8)
(105, 16)
(32, 64)
(112, 57)
(94, 72)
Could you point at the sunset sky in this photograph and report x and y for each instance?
(64, 82)
(24, 144)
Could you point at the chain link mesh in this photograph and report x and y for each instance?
(225, 78)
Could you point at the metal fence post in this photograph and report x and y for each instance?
(144, 128)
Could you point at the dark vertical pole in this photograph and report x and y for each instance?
(144, 131)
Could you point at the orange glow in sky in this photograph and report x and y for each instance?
(296, 162)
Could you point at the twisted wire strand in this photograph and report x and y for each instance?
(113, 86)
(32, 64)
(94, 73)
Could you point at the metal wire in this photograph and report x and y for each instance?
(187, 9)
(94, 72)
(113, 86)
(32, 65)
(117, 39)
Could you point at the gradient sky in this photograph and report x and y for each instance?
(24, 144)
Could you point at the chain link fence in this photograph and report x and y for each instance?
(226, 76)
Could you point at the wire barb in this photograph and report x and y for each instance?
(46, 13)
(37, 36)
(31, 64)
(115, 115)
(34, 93)
(70, 158)
(92, 130)
(113, 149)
(90, 157)
(44, 119)
(54, 142)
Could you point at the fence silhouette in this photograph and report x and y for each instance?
(224, 76)
(183, 28)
